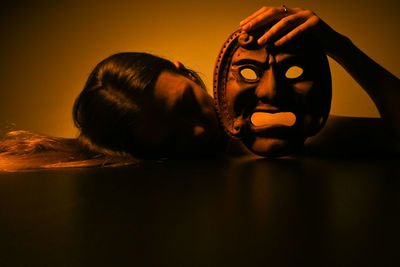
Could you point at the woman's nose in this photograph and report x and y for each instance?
(198, 130)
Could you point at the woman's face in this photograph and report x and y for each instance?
(178, 119)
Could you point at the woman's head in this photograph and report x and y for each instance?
(146, 106)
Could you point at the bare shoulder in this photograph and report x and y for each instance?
(353, 136)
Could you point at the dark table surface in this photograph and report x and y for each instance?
(238, 211)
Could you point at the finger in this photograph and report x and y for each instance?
(297, 32)
(264, 18)
(281, 27)
(255, 14)
(286, 24)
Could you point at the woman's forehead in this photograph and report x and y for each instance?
(170, 87)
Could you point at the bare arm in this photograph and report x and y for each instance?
(381, 85)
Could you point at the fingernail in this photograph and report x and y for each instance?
(262, 41)
(277, 43)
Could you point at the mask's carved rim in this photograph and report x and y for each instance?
(219, 79)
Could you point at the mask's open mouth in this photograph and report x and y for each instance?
(275, 119)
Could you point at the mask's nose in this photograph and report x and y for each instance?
(268, 89)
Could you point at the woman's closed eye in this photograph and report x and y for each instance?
(188, 102)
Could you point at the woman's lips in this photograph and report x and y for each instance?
(261, 120)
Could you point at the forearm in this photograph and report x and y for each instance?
(381, 85)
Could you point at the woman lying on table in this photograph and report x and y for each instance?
(139, 106)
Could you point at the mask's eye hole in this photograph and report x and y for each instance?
(294, 72)
(248, 74)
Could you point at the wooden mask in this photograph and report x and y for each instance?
(271, 98)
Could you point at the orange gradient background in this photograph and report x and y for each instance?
(48, 48)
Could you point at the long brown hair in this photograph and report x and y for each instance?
(24, 150)
(104, 112)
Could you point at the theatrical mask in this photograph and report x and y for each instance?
(271, 98)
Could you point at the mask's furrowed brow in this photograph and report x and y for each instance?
(283, 58)
(246, 61)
